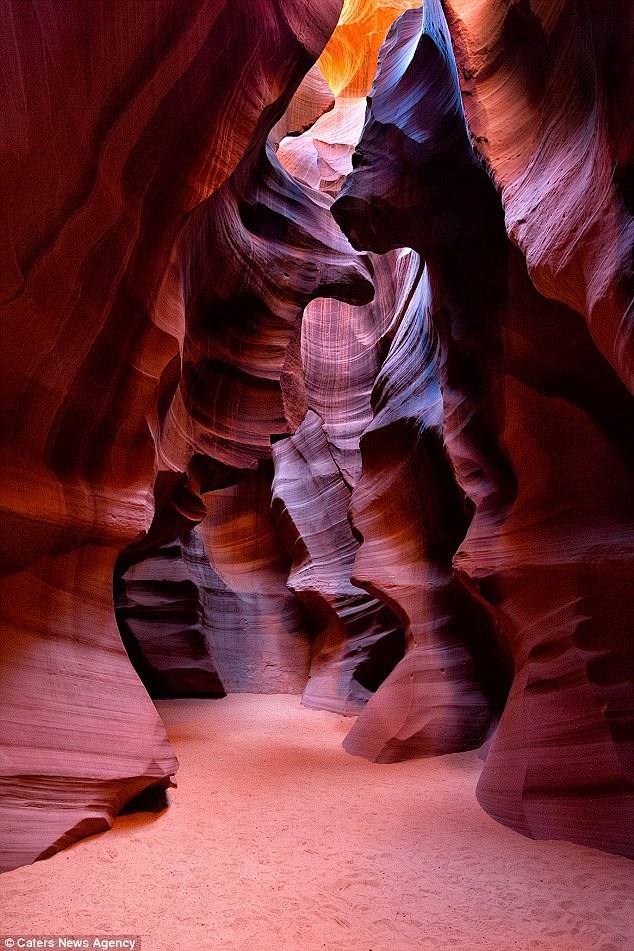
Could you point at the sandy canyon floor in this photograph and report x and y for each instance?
(277, 840)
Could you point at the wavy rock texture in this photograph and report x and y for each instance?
(310, 504)
(222, 611)
(358, 639)
(545, 465)
(157, 258)
(548, 93)
(121, 120)
(252, 257)
(349, 60)
(312, 99)
(321, 158)
(558, 573)
(209, 610)
(343, 348)
(162, 619)
(443, 695)
(260, 249)
(259, 636)
(430, 195)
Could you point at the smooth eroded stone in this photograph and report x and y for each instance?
(534, 425)
(548, 93)
(252, 257)
(162, 620)
(310, 506)
(121, 120)
(259, 636)
(445, 693)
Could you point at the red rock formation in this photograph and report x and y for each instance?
(121, 120)
(429, 194)
(313, 98)
(243, 264)
(157, 258)
(558, 573)
(225, 612)
(256, 627)
(544, 461)
(322, 158)
(358, 638)
(407, 508)
(549, 93)
(246, 282)
(343, 348)
(310, 503)
(162, 619)
(349, 60)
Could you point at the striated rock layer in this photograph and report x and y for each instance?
(259, 635)
(416, 182)
(411, 468)
(349, 60)
(358, 637)
(534, 424)
(120, 122)
(251, 258)
(162, 619)
(443, 696)
(240, 336)
(548, 94)
(255, 353)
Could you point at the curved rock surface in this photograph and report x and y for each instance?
(443, 696)
(259, 635)
(416, 182)
(245, 283)
(310, 504)
(255, 352)
(321, 158)
(162, 619)
(549, 544)
(349, 60)
(246, 280)
(358, 638)
(558, 574)
(343, 348)
(120, 122)
(451, 468)
(313, 98)
(548, 93)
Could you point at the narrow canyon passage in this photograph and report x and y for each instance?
(277, 839)
(317, 474)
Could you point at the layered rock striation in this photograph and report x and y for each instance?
(259, 635)
(161, 615)
(122, 120)
(534, 447)
(548, 94)
(408, 509)
(386, 466)
(250, 260)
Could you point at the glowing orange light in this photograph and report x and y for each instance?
(350, 58)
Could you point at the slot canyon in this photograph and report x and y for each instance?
(317, 474)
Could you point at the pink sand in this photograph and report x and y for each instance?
(277, 840)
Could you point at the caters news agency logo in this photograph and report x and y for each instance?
(58, 942)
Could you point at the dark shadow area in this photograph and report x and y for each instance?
(153, 799)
